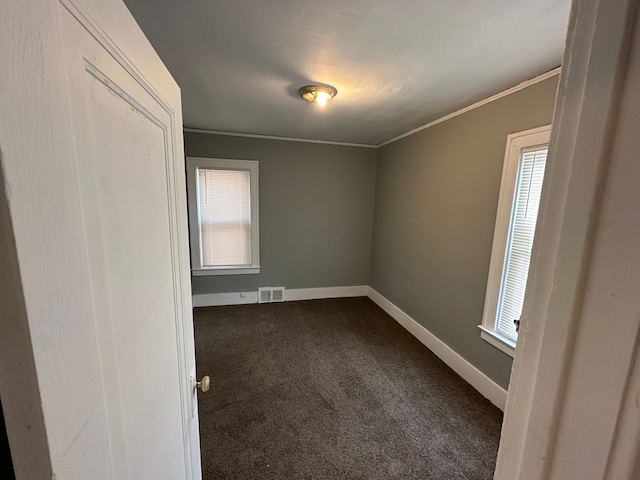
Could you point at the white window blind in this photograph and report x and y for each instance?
(524, 215)
(224, 212)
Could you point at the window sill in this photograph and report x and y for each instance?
(501, 343)
(225, 271)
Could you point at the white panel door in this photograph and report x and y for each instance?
(125, 155)
(114, 347)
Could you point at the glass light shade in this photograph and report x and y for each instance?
(322, 98)
(319, 94)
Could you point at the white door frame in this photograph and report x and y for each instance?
(573, 368)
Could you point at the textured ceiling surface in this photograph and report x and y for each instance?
(397, 64)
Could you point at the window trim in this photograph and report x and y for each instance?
(516, 142)
(192, 164)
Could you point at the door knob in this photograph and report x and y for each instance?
(204, 384)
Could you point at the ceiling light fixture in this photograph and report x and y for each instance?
(319, 94)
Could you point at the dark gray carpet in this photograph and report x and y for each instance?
(333, 389)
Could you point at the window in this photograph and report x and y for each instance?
(520, 190)
(223, 216)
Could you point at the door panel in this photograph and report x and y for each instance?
(123, 181)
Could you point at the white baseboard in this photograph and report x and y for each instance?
(325, 292)
(487, 387)
(219, 299)
(292, 295)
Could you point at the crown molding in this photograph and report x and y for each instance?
(497, 96)
(271, 137)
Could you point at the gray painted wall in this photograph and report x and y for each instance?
(435, 209)
(316, 212)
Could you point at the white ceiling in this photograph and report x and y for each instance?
(397, 64)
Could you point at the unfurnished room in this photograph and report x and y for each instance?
(364, 239)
